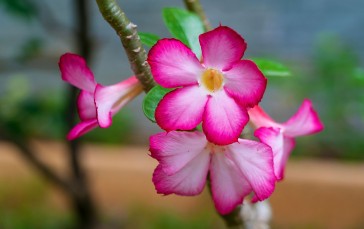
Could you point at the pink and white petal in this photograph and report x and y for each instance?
(304, 121)
(288, 145)
(181, 109)
(261, 119)
(86, 105)
(245, 83)
(175, 149)
(110, 99)
(228, 185)
(74, 70)
(188, 181)
(274, 138)
(223, 119)
(255, 162)
(82, 128)
(221, 47)
(173, 64)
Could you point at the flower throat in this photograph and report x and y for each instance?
(212, 80)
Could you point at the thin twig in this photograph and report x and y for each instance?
(129, 37)
(195, 6)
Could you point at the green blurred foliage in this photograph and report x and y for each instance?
(26, 206)
(29, 49)
(170, 220)
(335, 82)
(24, 9)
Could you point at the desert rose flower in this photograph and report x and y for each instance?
(235, 170)
(96, 104)
(281, 136)
(216, 91)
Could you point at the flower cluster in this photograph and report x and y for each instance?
(221, 91)
(96, 104)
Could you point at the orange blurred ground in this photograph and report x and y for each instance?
(321, 193)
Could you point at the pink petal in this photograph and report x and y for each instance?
(221, 47)
(245, 83)
(261, 119)
(188, 181)
(175, 149)
(305, 121)
(275, 139)
(86, 105)
(224, 119)
(74, 70)
(173, 64)
(82, 128)
(255, 162)
(228, 185)
(181, 109)
(111, 99)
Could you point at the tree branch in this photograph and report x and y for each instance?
(129, 37)
(39, 165)
(195, 6)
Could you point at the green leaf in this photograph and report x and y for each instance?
(185, 26)
(272, 68)
(148, 39)
(152, 99)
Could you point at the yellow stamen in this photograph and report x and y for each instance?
(212, 79)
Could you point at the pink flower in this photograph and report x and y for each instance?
(96, 104)
(186, 158)
(216, 90)
(280, 136)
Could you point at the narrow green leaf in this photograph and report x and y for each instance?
(272, 68)
(185, 26)
(148, 39)
(152, 99)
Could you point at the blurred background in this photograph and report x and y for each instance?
(321, 41)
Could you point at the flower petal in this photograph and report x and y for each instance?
(86, 105)
(304, 121)
(111, 99)
(275, 139)
(245, 83)
(82, 128)
(175, 149)
(228, 185)
(223, 119)
(74, 70)
(221, 47)
(173, 64)
(255, 162)
(261, 119)
(181, 109)
(188, 181)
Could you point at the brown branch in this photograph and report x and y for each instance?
(129, 37)
(31, 157)
(195, 6)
